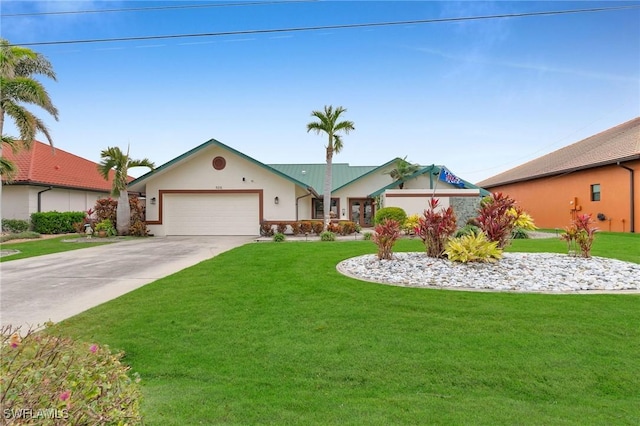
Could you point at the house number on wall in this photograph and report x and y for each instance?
(218, 187)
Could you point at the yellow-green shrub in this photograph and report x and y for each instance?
(472, 248)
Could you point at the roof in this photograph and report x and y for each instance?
(617, 144)
(313, 174)
(213, 142)
(41, 165)
(435, 171)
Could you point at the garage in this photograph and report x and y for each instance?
(211, 213)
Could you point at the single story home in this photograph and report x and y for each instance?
(214, 189)
(50, 180)
(599, 175)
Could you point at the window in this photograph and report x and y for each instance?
(595, 192)
(317, 211)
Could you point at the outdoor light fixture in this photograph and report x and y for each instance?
(344, 211)
(153, 200)
(276, 200)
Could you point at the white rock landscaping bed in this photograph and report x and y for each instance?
(517, 272)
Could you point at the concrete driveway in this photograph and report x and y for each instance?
(58, 286)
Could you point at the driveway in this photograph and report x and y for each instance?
(57, 286)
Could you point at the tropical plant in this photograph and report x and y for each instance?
(395, 213)
(403, 169)
(105, 226)
(580, 233)
(435, 227)
(266, 229)
(18, 67)
(468, 229)
(328, 122)
(497, 217)
(472, 248)
(75, 382)
(279, 237)
(114, 159)
(386, 234)
(409, 226)
(327, 236)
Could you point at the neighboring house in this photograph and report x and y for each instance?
(215, 190)
(50, 180)
(599, 175)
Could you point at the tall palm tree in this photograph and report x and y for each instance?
(18, 66)
(328, 123)
(402, 171)
(114, 159)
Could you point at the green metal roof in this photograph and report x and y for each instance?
(313, 174)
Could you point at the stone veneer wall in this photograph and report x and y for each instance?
(465, 208)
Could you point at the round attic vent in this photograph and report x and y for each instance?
(219, 163)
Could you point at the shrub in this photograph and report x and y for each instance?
(105, 208)
(347, 228)
(519, 234)
(581, 234)
(107, 227)
(409, 226)
(468, 230)
(137, 224)
(327, 236)
(367, 236)
(80, 383)
(278, 237)
(281, 228)
(333, 227)
(266, 230)
(55, 222)
(385, 237)
(472, 248)
(305, 227)
(498, 216)
(435, 228)
(15, 225)
(317, 227)
(295, 228)
(395, 213)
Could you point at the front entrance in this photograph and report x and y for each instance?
(362, 211)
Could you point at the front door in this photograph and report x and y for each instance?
(362, 211)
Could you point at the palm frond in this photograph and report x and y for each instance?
(8, 169)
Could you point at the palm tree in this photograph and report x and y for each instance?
(114, 159)
(18, 66)
(403, 170)
(328, 123)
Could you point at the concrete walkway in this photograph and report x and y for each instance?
(57, 286)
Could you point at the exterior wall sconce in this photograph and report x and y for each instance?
(153, 200)
(344, 212)
(276, 200)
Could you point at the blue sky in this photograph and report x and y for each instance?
(478, 96)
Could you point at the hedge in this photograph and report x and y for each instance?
(55, 222)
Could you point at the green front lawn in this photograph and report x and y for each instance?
(271, 334)
(44, 246)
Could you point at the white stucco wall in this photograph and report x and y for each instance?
(19, 201)
(197, 173)
(415, 201)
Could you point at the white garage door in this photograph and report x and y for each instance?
(211, 214)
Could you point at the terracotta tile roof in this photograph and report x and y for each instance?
(42, 166)
(620, 143)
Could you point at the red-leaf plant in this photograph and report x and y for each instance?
(581, 232)
(435, 228)
(494, 219)
(386, 234)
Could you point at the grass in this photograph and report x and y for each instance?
(272, 334)
(44, 246)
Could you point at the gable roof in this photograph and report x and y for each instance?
(435, 170)
(213, 142)
(342, 174)
(617, 144)
(41, 165)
